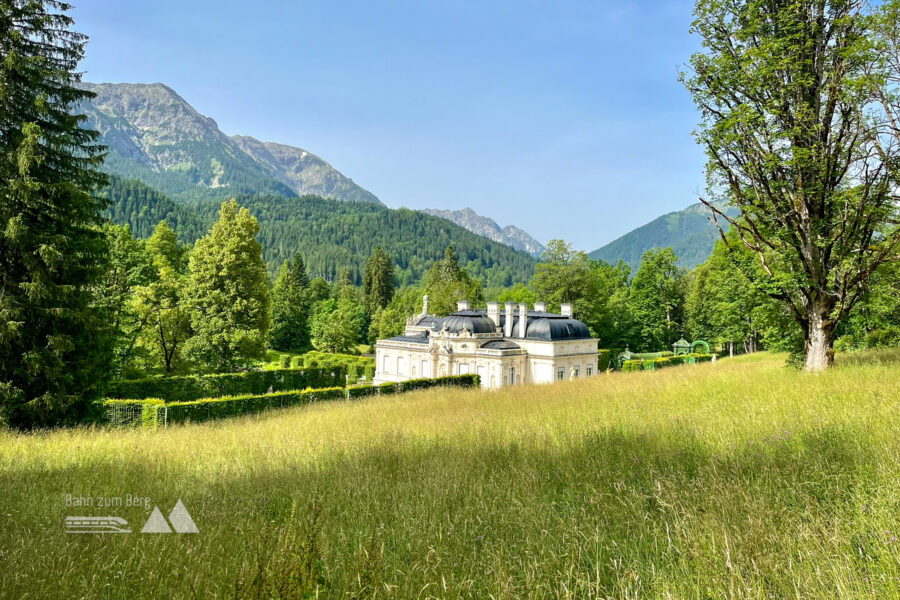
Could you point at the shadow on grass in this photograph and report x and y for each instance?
(594, 514)
(881, 356)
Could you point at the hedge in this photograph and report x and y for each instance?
(654, 364)
(194, 387)
(603, 358)
(360, 391)
(153, 412)
(230, 406)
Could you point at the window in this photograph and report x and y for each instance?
(512, 376)
(401, 365)
(560, 373)
(386, 364)
(577, 371)
(589, 372)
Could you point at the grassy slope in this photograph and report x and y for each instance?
(729, 480)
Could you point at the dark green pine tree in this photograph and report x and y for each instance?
(378, 281)
(290, 318)
(53, 346)
(447, 282)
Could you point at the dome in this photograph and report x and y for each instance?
(475, 322)
(555, 329)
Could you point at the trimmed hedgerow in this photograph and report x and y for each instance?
(230, 406)
(664, 362)
(153, 412)
(603, 358)
(361, 391)
(194, 387)
(396, 387)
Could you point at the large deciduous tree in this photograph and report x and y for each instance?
(53, 350)
(785, 89)
(656, 300)
(162, 304)
(228, 294)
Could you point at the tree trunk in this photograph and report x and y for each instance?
(819, 333)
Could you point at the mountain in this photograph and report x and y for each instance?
(484, 226)
(688, 232)
(331, 235)
(155, 136)
(169, 162)
(302, 171)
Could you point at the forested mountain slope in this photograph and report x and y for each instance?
(688, 232)
(331, 235)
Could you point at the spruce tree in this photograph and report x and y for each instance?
(290, 327)
(53, 345)
(228, 294)
(378, 281)
(447, 282)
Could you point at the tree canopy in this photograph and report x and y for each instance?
(54, 343)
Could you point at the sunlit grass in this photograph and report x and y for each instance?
(740, 479)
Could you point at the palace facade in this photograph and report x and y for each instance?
(507, 346)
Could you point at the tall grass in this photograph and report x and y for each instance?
(740, 479)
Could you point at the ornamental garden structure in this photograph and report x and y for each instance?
(508, 346)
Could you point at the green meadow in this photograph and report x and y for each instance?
(739, 479)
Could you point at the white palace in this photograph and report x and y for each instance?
(504, 347)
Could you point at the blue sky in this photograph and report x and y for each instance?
(562, 117)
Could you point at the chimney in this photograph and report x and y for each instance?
(523, 319)
(462, 305)
(493, 312)
(540, 307)
(425, 304)
(566, 309)
(507, 326)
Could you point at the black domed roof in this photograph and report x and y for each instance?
(555, 329)
(474, 321)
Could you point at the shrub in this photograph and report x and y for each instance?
(285, 361)
(669, 361)
(353, 372)
(883, 338)
(216, 408)
(632, 365)
(361, 391)
(369, 371)
(603, 358)
(298, 362)
(193, 387)
(388, 388)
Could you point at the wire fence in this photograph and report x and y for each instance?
(132, 414)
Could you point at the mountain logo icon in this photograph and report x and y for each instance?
(180, 519)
